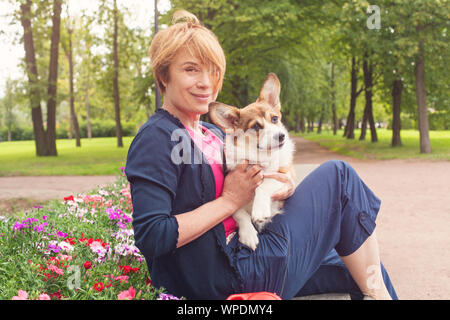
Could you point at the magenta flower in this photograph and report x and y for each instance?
(40, 228)
(54, 248)
(61, 234)
(166, 296)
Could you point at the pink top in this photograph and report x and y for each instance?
(210, 145)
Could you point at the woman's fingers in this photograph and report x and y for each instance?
(282, 194)
(277, 175)
(287, 190)
(242, 166)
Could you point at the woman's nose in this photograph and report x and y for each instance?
(204, 80)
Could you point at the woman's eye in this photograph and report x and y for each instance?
(274, 119)
(191, 69)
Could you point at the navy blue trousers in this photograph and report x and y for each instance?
(331, 213)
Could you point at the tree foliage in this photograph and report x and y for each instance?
(309, 44)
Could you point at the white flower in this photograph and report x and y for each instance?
(65, 246)
(103, 192)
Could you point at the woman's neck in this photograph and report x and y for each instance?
(191, 121)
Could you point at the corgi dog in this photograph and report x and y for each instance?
(255, 133)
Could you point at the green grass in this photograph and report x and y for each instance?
(440, 145)
(96, 156)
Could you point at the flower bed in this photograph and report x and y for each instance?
(79, 248)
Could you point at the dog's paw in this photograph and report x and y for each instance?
(261, 212)
(249, 237)
(260, 224)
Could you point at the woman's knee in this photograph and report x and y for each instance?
(335, 165)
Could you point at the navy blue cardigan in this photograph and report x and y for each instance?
(162, 188)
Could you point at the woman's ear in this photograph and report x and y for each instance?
(224, 116)
(270, 91)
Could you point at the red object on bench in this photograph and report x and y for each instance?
(254, 296)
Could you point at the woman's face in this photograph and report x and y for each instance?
(189, 89)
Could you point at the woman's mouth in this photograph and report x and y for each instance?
(201, 97)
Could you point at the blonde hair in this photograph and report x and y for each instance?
(186, 31)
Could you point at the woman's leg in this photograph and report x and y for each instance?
(334, 277)
(331, 208)
(365, 267)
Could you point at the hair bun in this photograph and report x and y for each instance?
(181, 16)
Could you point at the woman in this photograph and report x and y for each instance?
(182, 203)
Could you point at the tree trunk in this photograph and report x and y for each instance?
(302, 124)
(322, 116)
(362, 136)
(333, 101)
(368, 109)
(116, 80)
(396, 108)
(88, 117)
(319, 126)
(53, 78)
(425, 145)
(350, 126)
(35, 96)
(73, 115)
(310, 125)
(297, 122)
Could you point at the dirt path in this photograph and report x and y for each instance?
(413, 225)
(17, 193)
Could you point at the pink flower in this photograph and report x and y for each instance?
(55, 269)
(127, 294)
(122, 278)
(44, 296)
(21, 295)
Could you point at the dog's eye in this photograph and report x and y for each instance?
(256, 126)
(274, 119)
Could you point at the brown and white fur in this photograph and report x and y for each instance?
(255, 133)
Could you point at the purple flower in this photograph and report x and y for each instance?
(44, 217)
(17, 226)
(61, 234)
(40, 228)
(53, 247)
(166, 296)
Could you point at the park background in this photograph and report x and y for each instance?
(368, 80)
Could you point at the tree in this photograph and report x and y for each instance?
(116, 78)
(7, 104)
(33, 80)
(333, 100)
(368, 110)
(349, 131)
(69, 54)
(421, 93)
(52, 79)
(397, 89)
(45, 139)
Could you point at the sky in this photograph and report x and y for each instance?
(11, 50)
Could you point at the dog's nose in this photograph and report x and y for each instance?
(281, 137)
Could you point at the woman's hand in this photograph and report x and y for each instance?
(240, 184)
(289, 185)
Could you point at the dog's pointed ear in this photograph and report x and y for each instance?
(224, 116)
(270, 91)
